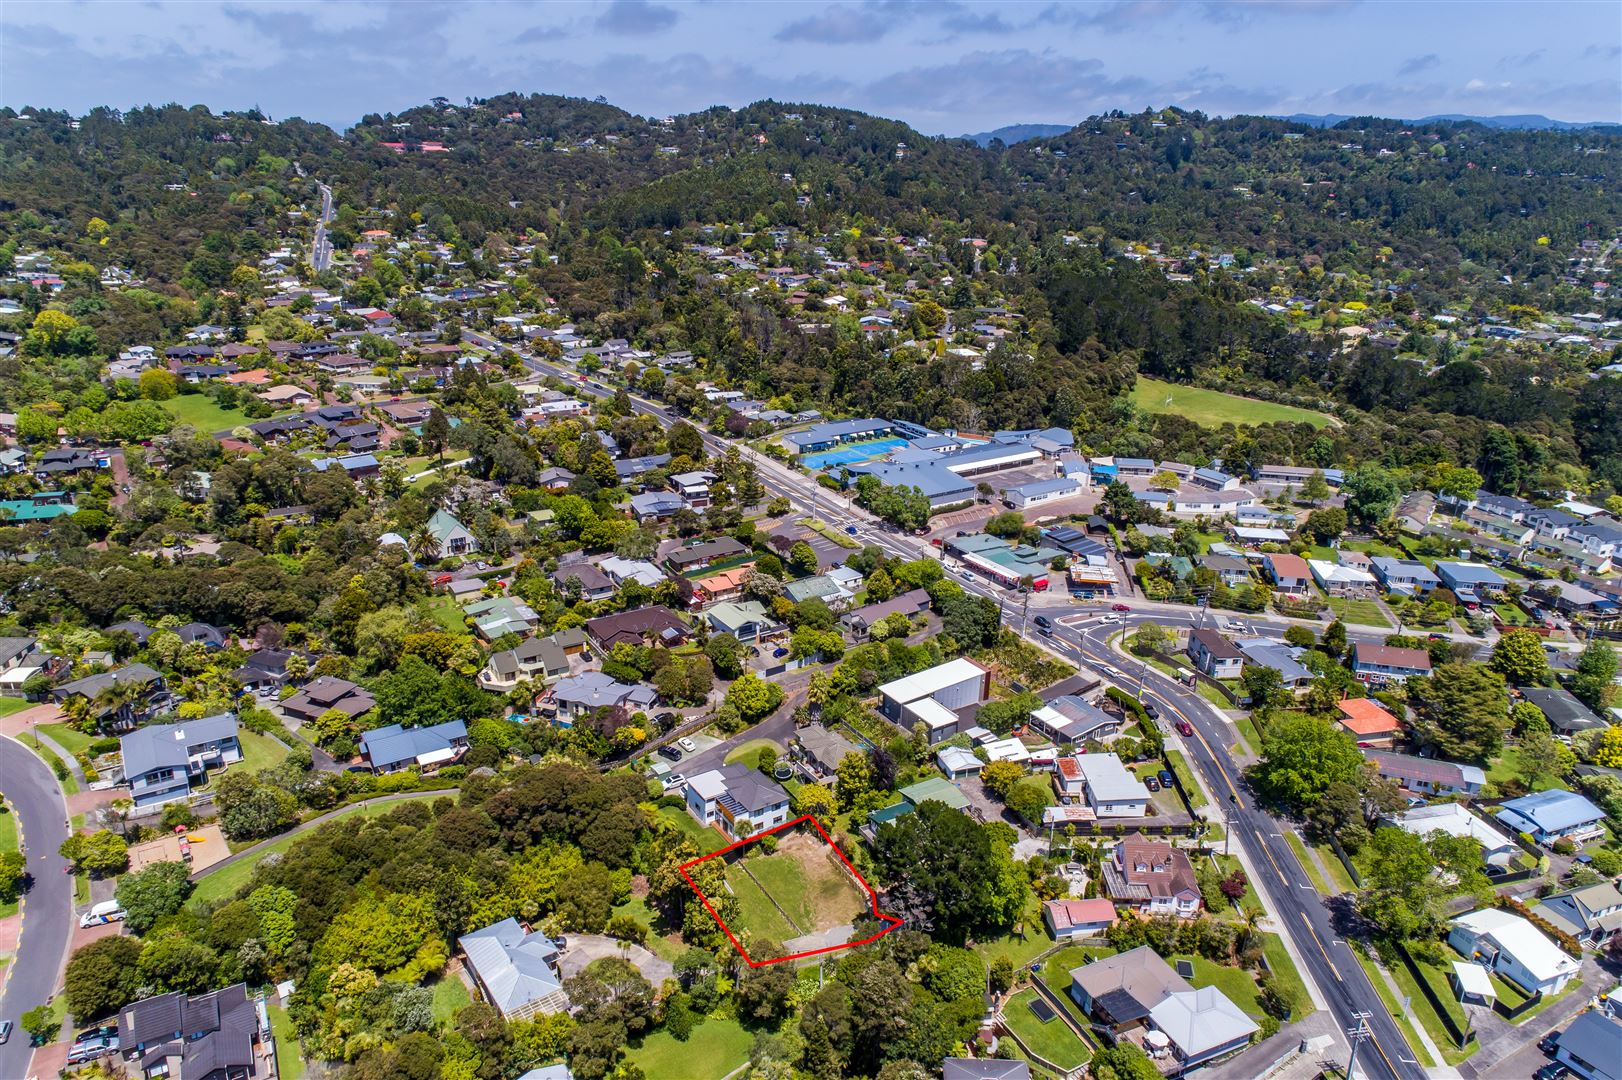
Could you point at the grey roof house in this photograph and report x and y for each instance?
(209, 1036)
(392, 748)
(161, 760)
(516, 970)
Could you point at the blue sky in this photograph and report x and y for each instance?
(945, 67)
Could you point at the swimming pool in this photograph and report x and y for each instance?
(851, 453)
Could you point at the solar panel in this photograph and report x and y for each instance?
(1185, 968)
(1043, 1011)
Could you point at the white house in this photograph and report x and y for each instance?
(740, 800)
(1455, 820)
(1506, 943)
(1111, 790)
(932, 697)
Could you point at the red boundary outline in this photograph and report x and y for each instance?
(872, 897)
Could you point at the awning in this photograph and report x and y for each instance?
(1474, 980)
(437, 757)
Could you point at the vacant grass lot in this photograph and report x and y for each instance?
(1053, 1041)
(756, 915)
(1361, 612)
(713, 1050)
(204, 414)
(1213, 409)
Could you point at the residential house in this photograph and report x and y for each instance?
(631, 470)
(639, 626)
(162, 760)
(501, 615)
(1592, 915)
(328, 693)
(1109, 787)
(1338, 579)
(392, 748)
(747, 621)
(355, 466)
(40, 506)
(859, 622)
(1415, 511)
(819, 587)
(822, 749)
(656, 506)
(537, 658)
(1137, 991)
(1288, 573)
(739, 800)
(638, 570)
(1152, 877)
(685, 560)
(20, 660)
(1368, 722)
(1232, 572)
(176, 1036)
(1566, 715)
(1073, 719)
(555, 478)
(1553, 815)
(1068, 919)
(1504, 942)
(693, 487)
(1456, 819)
(984, 1068)
(1214, 654)
(515, 969)
(1592, 1046)
(583, 694)
(1380, 664)
(1282, 658)
(933, 696)
(1599, 538)
(451, 537)
(580, 578)
(957, 763)
(1430, 776)
(144, 682)
(1515, 533)
(1472, 583)
(1404, 577)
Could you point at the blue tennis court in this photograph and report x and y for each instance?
(851, 453)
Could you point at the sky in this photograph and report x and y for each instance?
(945, 67)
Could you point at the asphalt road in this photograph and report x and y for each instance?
(1294, 903)
(47, 915)
(321, 248)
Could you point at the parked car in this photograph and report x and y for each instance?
(1150, 711)
(675, 782)
(1550, 1042)
(1151, 783)
(667, 719)
(669, 753)
(1185, 729)
(106, 1031)
(1165, 779)
(779, 652)
(1554, 1070)
(687, 744)
(5, 1032)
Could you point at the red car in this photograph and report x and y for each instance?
(1119, 607)
(1185, 729)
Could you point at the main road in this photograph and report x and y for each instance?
(1298, 910)
(321, 248)
(47, 908)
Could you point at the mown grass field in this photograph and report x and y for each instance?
(1360, 612)
(204, 413)
(713, 1050)
(1053, 1041)
(1213, 409)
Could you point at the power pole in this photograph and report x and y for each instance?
(1357, 1034)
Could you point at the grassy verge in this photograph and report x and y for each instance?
(67, 737)
(1307, 863)
(63, 774)
(1286, 977)
(1338, 877)
(1052, 1041)
(289, 1062)
(748, 753)
(9, 705)
(1249, 737)
(1180, 769)
(714, 1049)
(9, 841)
(1427, 1016)
(1394, 1007)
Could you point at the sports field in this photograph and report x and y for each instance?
(1213, 409)
(851, 453)
(811, 888)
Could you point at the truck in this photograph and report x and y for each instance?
(105, 912)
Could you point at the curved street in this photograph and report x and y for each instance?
(47, 907)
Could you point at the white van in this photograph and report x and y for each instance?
(105, 912)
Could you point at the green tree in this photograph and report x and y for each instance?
(102, 978)
(13, 869)
(753, 697)
(1542, 757)
(946, 873)
(854, 778)
(1461, 711)
(150, 894)
(1149, 637)
(42, 1025)
(1371, 493)
(816, 800)
(157, 384)
(1302, 755)
(763, 993)
(999, 777)
(1316, 488)
(726, 654)
(1593, 681)
(99, 853)
(803, 558)
(1519, 657)
(1007, 524)
(1263, 686)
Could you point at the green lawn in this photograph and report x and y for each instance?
(755, 913)
(1361, 612)
(443, 610)
(69, 784)
(707, 839)
(1237, 983)
(67, 737)
(1427, 1017)
(450, 994)
(1213, 409)
(715, 1048)
(1052, 1041)
(1507, 766)
(289, 1062)
(226, 880)
(202, 413)
(1055, 973)
(1307, 864)
(749, 753)
(8, 842)
(1039, 782)
(9, 705)
(1179, 768)
(1287, 978)
(1510, 615)
(1394, 1007)
(260, 751)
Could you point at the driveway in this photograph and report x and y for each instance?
(584, 948)
(47, 907)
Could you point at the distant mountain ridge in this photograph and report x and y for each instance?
(1518, 122)
(1017, 133)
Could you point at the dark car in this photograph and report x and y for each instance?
(1185, 729)
(1550, 1042)
(670, 753)
(1150, 711)
(851, 529)
(106, 1031)
(1151, 783)
(1165, 778)
(1043, 622)
(667, 719)
(1552, 1071)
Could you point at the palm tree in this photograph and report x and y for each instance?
(425, 546)
(117, 700)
